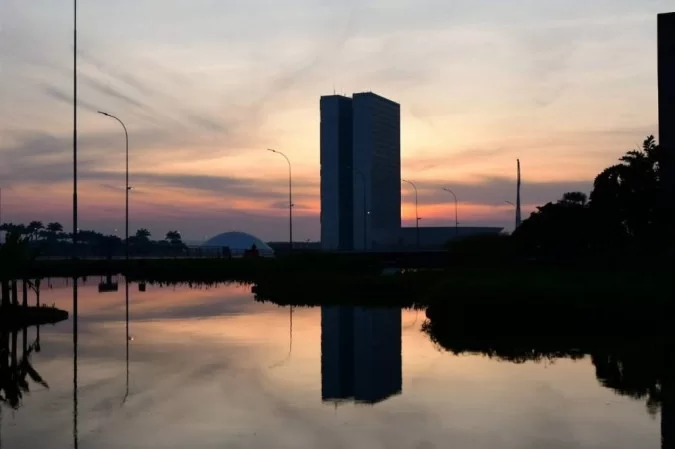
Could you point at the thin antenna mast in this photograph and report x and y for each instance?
(518, 219)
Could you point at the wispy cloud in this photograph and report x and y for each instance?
(567, 86)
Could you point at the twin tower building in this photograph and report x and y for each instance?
(360, 172)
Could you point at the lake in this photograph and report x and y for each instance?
(212, 368)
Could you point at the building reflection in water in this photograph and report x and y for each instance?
(360, 354)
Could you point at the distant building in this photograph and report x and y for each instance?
(435, 237)
(666, 75)
(360, 354)
(360, 171)
(377, 155)
(284, 247)
(337, 183)
(238, 243)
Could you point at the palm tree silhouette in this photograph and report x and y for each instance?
(15, 372)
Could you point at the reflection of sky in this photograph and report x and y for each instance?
(205, 381)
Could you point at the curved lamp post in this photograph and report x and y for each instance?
(290, 198)
(74, 128)
(127, 188)
(417, 216)
(456, 221)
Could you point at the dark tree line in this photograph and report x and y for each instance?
(628, 212)
(51, 240)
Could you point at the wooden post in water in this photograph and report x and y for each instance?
(24, 304)
(15, 294)
(24, 301)
(5, 293)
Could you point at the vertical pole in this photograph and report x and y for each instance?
(126, 221)
(15, 294)
(518, 219)
(5, 294)
(417, 221)
(75, 437)
(126, 286)
(74, 128)
(290, 206)
(456, 219)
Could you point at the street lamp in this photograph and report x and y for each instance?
(74, 129)
(365, 209)
(509, 202)
(290, 198)
(417, 216)
(127, 188)
(456, 221)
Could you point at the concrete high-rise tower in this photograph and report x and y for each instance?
(377, 154)
(360, 172)
(337, 174)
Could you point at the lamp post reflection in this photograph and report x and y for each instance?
(128, 338)
(75, 441)
(290, 342)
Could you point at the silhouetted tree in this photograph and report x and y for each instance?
(630, 197)
(628, 208)
(174, 237)
(143, 234)
(34, 228)
(54, 230)
(562, 229)
(14, 253)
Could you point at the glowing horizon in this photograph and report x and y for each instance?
(205, 88)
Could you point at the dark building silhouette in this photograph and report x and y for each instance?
(337, 174)
(360, 354)
(337, 353)
(360, 171)
(377, 155)
(378, 373)
(666, 74)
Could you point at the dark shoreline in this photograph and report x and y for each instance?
(18, 317)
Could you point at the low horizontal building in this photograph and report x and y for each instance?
(435, 237)
(430, 238)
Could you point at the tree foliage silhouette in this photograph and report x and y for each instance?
(627, 210)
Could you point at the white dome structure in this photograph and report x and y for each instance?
(238, 242)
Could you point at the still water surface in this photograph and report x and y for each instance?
(211, 368)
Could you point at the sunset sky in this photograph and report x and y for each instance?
(205, 86)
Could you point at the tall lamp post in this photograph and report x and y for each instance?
(456, 221)
(127, 188)
(74, 128)
(365, 209)
(290, 198)
(417, 216)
